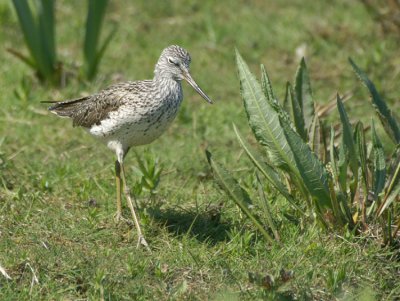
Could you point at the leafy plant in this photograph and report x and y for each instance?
(38, 27)
(39, 33)
(319, 179)
(149, 171)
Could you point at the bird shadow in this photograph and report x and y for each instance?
(204, 225)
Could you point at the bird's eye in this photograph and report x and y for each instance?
(172, 62)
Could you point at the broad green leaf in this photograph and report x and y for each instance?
(235, 192)
(263, 119)
(385, 115)
(312, 172)
(270, 174)
(379, 163)
(303, 91)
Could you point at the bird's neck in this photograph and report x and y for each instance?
(167, 86)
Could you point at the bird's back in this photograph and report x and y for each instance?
(91, 110)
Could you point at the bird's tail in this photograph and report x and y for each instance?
(65, 108)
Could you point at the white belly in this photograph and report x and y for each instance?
(129, 127)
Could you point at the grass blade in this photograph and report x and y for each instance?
(312, 172)
(385, 115)
(304, 96)
(263, 119)
(235, 192)
(267, 210)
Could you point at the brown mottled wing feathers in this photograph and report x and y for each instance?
(91, 110)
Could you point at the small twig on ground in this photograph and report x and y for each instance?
(3, 271)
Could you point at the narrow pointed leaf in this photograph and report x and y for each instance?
(315, 138)
(94, 20)
(102, 50)
(35, 32)
(47, 34)
(235, 192)
(379, 163)
(385, 115)
(267, 210)
(312, 171)
(263, 119)
(393, 188)
(27, 60)
(297, 115)
(390, 199)
(304, 96)
(342, 168)
(361, 151)
(267, 85)
(347, 139)
(287, 104)
(332, 153)
(28, 26)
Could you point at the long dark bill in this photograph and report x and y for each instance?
(195, 86)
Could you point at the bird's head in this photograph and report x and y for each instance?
(174, 63)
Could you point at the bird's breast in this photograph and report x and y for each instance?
(140, 122)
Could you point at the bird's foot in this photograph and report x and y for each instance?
(118, 217)
(142, 241)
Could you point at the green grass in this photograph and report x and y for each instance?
(57, 193)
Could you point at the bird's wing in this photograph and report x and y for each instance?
(91, 110)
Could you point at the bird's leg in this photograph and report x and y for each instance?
(141, 239)
(118, 214)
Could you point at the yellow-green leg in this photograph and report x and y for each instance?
(118, 214)
(141, 239)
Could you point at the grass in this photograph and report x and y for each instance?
(57, 193)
